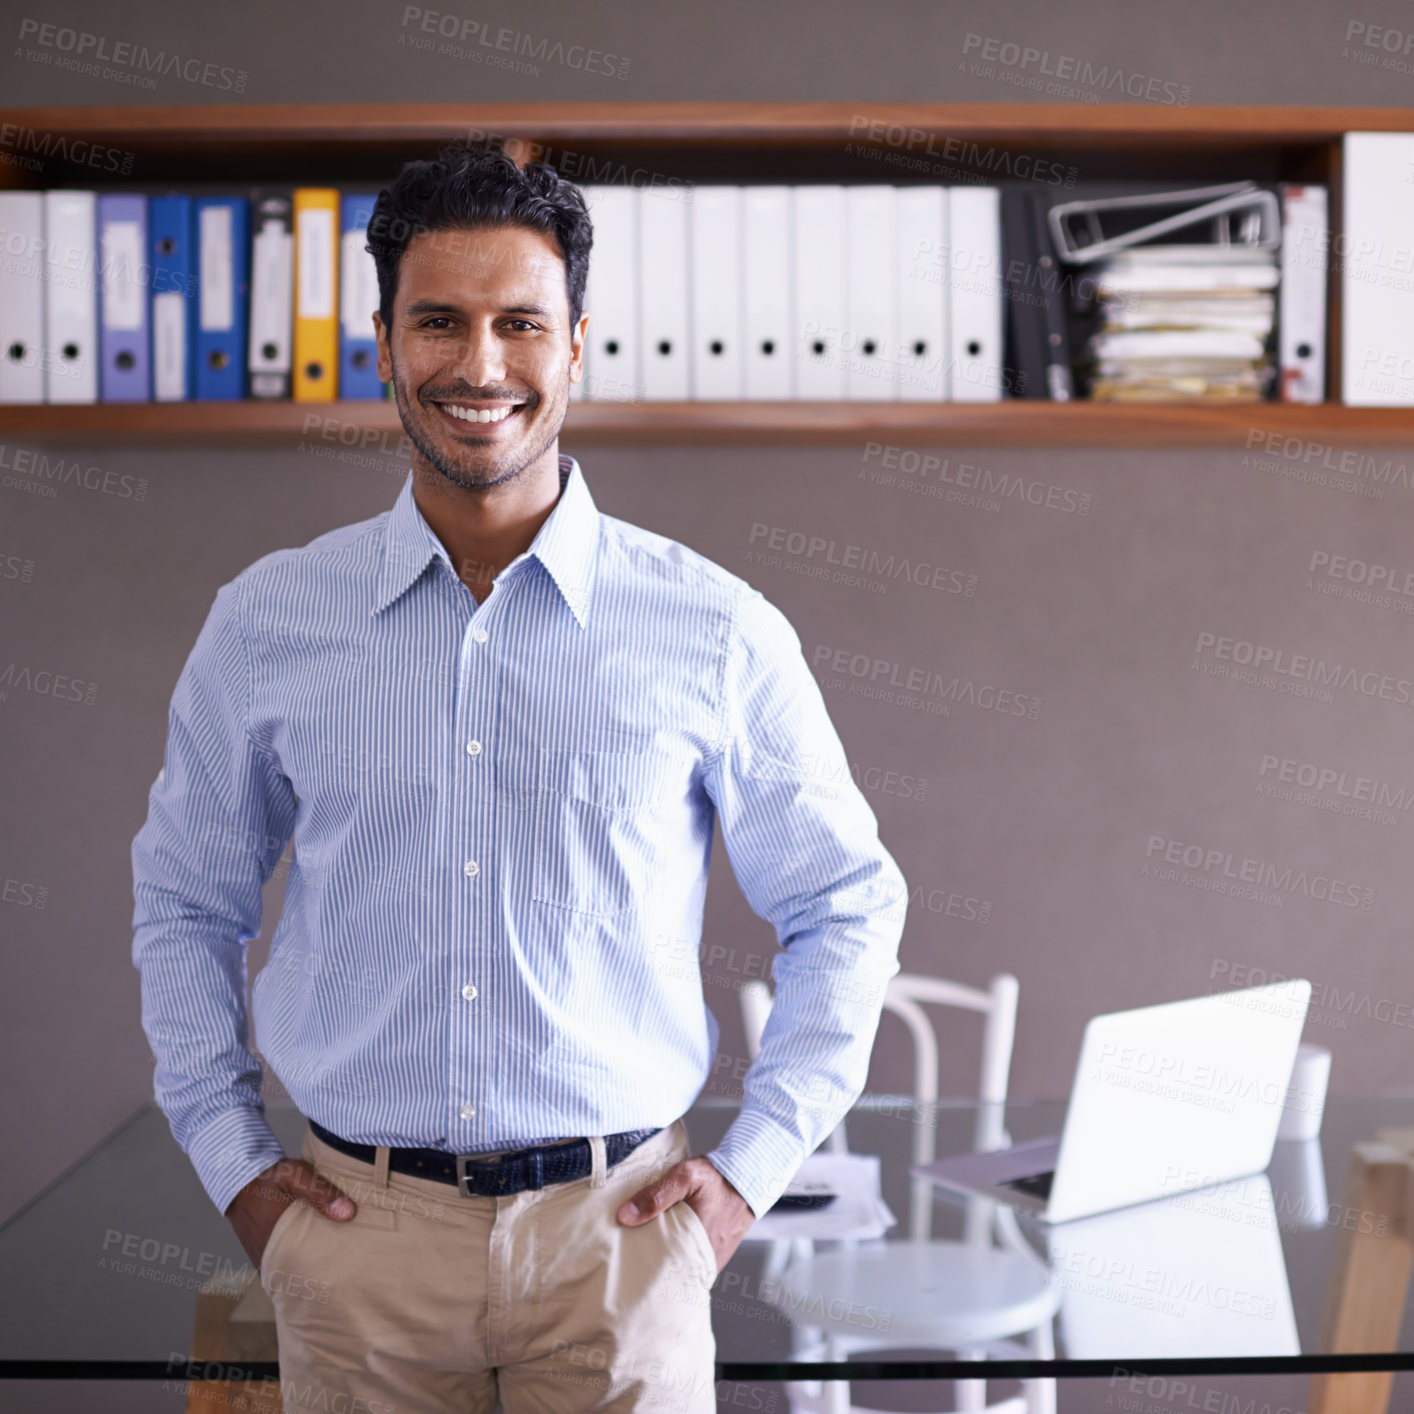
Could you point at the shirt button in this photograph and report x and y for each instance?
(473, 748)
(469, 991)
(471, 869)
(478, 635)
(468, 1111)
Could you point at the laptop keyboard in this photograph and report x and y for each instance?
(1038, 1185)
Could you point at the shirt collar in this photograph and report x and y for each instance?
(565, 544)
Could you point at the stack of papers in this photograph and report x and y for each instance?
(858, 1212)
(1185, 322)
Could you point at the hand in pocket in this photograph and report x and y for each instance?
(256, 1209)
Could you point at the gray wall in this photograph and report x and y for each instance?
(1048, 822)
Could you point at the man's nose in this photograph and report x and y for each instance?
(480, 359)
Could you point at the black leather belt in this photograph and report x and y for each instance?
(476, 1177)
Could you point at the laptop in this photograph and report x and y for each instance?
(1166, 1099)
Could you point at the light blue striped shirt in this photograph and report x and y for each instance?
(502, 817)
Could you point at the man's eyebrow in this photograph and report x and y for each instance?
(438, 306)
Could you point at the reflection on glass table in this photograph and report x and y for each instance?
(1201, 1273)
(108, 1268)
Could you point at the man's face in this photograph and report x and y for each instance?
(481, 328)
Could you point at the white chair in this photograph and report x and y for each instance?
(979, 1297)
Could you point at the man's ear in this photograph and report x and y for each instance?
(577, 337)
(385, 352)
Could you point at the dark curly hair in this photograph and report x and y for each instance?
(471, 186)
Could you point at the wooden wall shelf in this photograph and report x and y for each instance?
(1018, 424)
(311, 126)
(205, 148)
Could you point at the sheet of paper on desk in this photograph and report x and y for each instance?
(858, 1212)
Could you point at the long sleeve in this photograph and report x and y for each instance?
(219, 816)
(804, 846)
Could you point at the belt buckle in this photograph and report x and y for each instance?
(533, 1160)
(462, 1161)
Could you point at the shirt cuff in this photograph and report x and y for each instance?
(231, 1150)
(758, 1157)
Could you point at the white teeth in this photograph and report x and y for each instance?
(475, 415)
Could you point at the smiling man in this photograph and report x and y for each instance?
(500, 727)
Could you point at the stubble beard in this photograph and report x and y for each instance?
(512, 465)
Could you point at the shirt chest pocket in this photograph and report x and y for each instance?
(599, 842)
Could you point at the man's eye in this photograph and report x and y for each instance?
(526, 322)
(436, 319)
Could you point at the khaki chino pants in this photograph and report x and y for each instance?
(427, 1301)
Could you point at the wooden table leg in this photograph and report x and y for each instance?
(211, 1343)
(1369, 1281)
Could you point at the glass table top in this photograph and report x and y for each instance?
(105, 1266)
